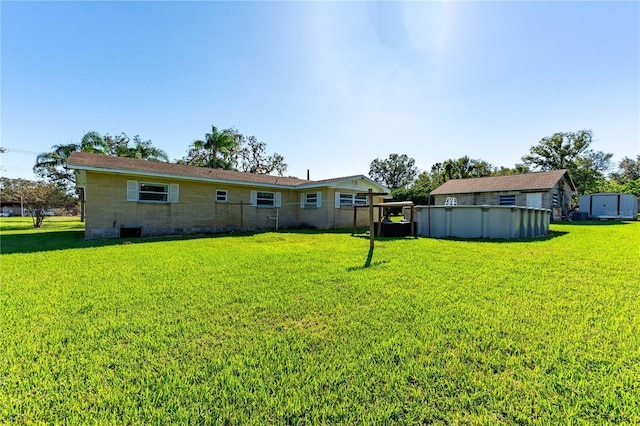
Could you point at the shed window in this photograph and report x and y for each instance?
(507, 200)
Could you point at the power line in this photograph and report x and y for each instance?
(19, 151)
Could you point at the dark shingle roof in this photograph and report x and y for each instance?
(525, 181)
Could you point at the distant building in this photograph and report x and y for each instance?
(548, 190)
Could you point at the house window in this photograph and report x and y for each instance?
(352, 199)
(153, 192)
(221, 196)
(507, 200)
(555, 200)
(265, 199)
(311, 200)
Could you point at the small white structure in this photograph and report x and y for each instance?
(609, 205)
(451, 201)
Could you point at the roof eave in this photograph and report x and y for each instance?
(529, 188)
(179, 177)
(332, 183)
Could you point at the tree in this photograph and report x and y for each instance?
(38, 197)
(11, 189)
(254, 159)
(589, 171)
(465, 167)
(460, 168)
(628, 170)
(416, 194)
(230, 150)
(518, 169)
(559, 151)
(398, 171)
(52, 165)
(571, 151)
(632, 187)
(141, 150)
(626, 179)
(216, 150)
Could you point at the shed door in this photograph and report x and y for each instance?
(534, 200)
(604, 205)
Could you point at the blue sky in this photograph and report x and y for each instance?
(329, 85)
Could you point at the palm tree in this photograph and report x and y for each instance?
(52, 165)
(142, 150)
(218, 142)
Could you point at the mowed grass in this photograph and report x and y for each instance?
(293, 328)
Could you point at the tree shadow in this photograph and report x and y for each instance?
(367, 263)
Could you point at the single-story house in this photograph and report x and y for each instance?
(126, 197)
(548, 190)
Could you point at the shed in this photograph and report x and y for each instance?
(551, 190)
(609, 205)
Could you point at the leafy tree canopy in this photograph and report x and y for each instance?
(515, 170)
(123, 146)
(218, 150)
(52, 165)
(628, 170)
(38, 197)
(254, 159)
(230, 150)
(397, 171)
(570, 150)
(559, 151)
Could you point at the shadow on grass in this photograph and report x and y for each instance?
(47, 241)
(30, 242)
(549, 236)
(593, 223)
(65, 240)
(367, 263)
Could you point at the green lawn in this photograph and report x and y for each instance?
(301, 328)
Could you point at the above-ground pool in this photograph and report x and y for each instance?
(505, 222)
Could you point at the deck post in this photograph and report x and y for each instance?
(413, 226)
(355, 218)
(372, 236)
